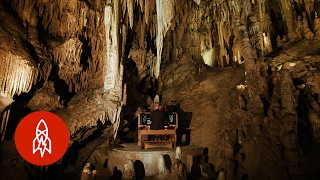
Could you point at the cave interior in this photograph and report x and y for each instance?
(244, 77)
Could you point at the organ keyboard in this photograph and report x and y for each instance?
(168, 131)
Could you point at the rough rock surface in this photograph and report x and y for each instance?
(245, 75)
(45, 99)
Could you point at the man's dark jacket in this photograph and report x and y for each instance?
(157, 118)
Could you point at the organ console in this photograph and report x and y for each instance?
(168, 131)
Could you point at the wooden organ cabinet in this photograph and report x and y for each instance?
(168, 131)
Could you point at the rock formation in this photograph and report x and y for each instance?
(164, 173)
(128, 170)
(244, 73)
(88, 173)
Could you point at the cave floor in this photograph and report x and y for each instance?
(11, 163)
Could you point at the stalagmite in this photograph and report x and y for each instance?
(128, 170)
(117, 122)
(315, 123)
(93, 174)
(242, 102)
(300, 29)
(4, 117)
(250, 56)
(178, 153)
(279, 41)
(124, 95)
(88, 173)
(287, 91)
(221, 176)
(178, 169)
(162, 169)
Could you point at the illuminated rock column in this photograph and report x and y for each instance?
(113, 69)
(112, 59)
(165, 12)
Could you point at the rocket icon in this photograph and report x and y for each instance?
(41, 141)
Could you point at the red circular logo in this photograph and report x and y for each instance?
(42, 138)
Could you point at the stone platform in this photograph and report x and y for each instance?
(146, 160)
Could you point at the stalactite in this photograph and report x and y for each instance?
(266, 30)
(206, 48)
(223, 13)
(300, 28)
(262, 9)
(18, 75)
(307, 33)
(309, 6)
(247, 5)
(316, 27)
(141, 4)
(129, 5)
(112, 58)
(149, 6)
(150, 60)
(67, 56)
(221, 43)
(69, 20)
(288, 14)
(236, 50)
(113, 68)
(165, 12)
(197, 1)
(255, 32)
(267, 46)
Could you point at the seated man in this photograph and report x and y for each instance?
(157, 118)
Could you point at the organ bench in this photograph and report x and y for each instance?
(169, 131)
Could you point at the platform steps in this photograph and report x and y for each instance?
(207, 172)
(158, 144)
(197, 164)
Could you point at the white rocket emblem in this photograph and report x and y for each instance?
(42, 141)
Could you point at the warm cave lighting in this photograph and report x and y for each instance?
(267, 43)
(293, 64)
(16, 75)
(237, 57)
(241, 87)
(208, 57)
